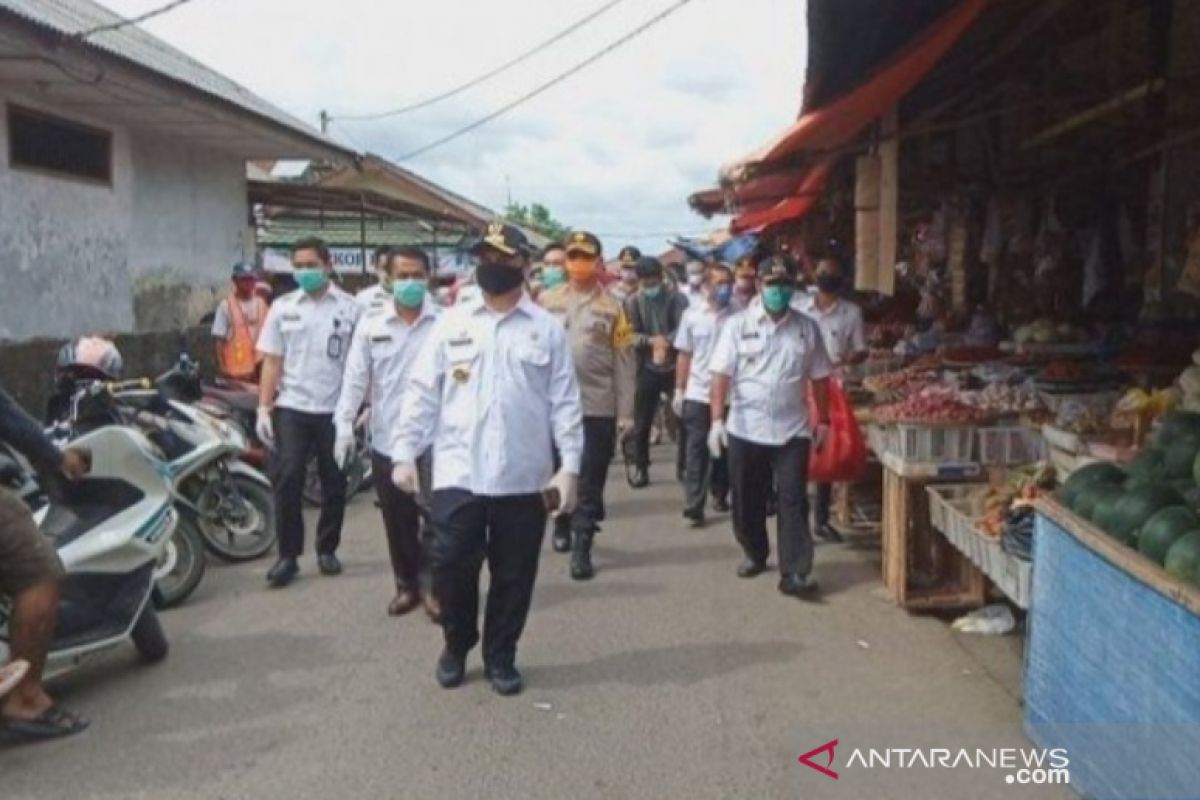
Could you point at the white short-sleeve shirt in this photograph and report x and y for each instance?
(769, 364)
(698, 334)
(313, 337)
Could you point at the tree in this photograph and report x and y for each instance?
(536, 217)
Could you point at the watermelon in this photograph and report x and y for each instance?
(1183, 559)
(1177, 424)
(1179, 458)
(1105, 516)
(1147, 468)
(1090, 495)
(1163, 529)
(1137, 506)
(1100, 471)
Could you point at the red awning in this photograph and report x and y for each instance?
(767, 189)
(795, 206)
(838, 123)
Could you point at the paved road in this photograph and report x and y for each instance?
(666, 677)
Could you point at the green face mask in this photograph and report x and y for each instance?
(553, 276)
(651, 292)
(776, 298)
(311, 279)
(409, 292)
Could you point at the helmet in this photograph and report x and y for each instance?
(90, 357)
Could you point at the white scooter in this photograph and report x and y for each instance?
(110, 530)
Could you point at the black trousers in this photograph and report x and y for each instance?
(402, 519)
(702, 472)
(599, 445)
(650, 387)
(824, 503)
(750, 468)
(507, 532)
(297, 435)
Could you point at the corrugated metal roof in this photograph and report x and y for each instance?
(135, 45)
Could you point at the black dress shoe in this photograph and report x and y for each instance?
(581, 558)
(328, 564)
(505, 678)
(829, 533)
(802, 586)
(639, 479)
(720, 505)
(451, 669)
(696, 515)
(750, 568)
(282, 573)
(561, 540)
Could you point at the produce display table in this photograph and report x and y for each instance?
(921, 569)
(1112, 663)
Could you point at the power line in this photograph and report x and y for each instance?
(479, 123)
(471, 84)
(124, 23)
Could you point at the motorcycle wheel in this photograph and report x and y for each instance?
(182, 566)
(243, 539)
(355, 478)
(148, 636)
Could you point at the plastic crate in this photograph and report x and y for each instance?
(932, 444)
(954, 510)
(1004, 446)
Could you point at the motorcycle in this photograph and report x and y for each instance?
(230, 500)
(110, 530)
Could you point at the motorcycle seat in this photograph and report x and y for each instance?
(242, 401)
(85, 505)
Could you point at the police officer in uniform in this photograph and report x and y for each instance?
(601, 344)
(627, 284)
(496, 387)
(764, 362)
(385, 345)
(304, 343)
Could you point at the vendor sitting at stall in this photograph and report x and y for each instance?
(841, 323)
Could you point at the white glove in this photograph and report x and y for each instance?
(820, 437)
(718, 439)
(343, 447)
(677, 403)
(404, 475)
(363, 418)
(567, 484)
(264, 429)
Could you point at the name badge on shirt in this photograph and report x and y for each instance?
(291, 323)
(461, 351)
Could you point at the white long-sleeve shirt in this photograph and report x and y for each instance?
(497, 391)
(382, 354)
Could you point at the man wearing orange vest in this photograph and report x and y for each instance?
(236, 326)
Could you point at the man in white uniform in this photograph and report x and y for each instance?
(304, 343)
(694, 290)
(764, 362)
(696, 340)
(378, 296)
(841, 324)
(496, 387)
(386, 343)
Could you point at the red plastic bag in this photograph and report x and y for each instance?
(844, 455)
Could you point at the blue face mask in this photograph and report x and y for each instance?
(651, 292)
(723, 295)
(553, 276)
(776, 298)
(311, 279)
(409, 292)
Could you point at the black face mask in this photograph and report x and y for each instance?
(498, 278)
(830, 284)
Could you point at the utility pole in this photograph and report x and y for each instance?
(324, 121)
(508, 189)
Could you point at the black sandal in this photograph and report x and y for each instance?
(53, 723)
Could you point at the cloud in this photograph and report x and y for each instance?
(616, 148)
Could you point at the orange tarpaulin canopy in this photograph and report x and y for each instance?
(836, 124)
(796, 205)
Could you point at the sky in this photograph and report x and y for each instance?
(615, 149)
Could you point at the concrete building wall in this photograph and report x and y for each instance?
(150, 252)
